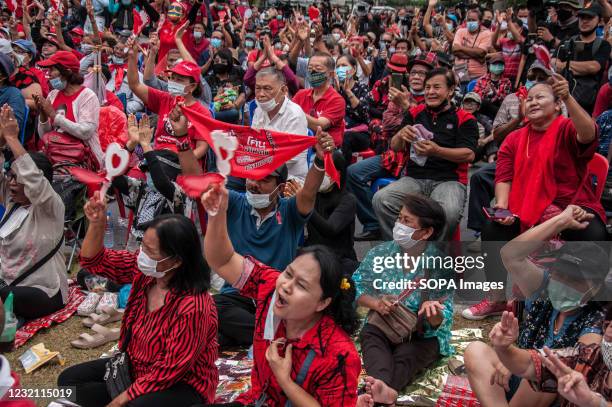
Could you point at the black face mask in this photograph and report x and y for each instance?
(564, 15)
(439, 108)
(487, 23)
(220, 68)
(587, 33)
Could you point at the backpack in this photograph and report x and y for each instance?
(584, 88)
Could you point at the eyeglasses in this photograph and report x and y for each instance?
(418, 73)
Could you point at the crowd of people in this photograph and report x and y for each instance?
(422, 111)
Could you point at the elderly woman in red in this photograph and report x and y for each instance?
(303, 354)
(541, 169)
(169, 329)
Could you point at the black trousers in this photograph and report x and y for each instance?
(236, 319)
(482, 191)
(396, 365)
(31, 303)
(495, 236)
(354, 141)
(88, 379)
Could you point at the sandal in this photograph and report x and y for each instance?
(107, 316)
(102, 336)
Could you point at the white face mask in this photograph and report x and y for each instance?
(19, 59)
(259, 201)
(176, 89)
(268, 105)
(148, 266)
(402, 235)
(606, 353)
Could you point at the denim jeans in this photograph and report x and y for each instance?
(388, 201)
(360, 175)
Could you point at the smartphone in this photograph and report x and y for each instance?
(496, 213)
(396, 81)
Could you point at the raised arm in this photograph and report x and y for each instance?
(140, 90)
(307, 196)
(218, 249)
(586, 130)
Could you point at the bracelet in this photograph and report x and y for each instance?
(316, 167)
(319, 162)
(182, 146)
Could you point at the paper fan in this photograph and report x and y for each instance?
(543, 55)
(195, 185)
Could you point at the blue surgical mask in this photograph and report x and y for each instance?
(472, 26)
(215, 42)
(118, 61)
(249, 44)
(529, 84)
(496, 69)
(57, 83)
(449, 26)
(525, 21)
(563, 297)
(197, 35)
(342, 72)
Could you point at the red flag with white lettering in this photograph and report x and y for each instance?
(259, 152)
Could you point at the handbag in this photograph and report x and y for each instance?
(118, 375)
(399, 324)
(64, 149)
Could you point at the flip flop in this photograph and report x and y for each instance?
(102, 336)
(109, 315)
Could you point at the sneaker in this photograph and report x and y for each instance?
(110, 300)
(484, 309)
(88, 306)
(475, 246)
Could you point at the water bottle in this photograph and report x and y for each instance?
(109, 233)
(10, 326)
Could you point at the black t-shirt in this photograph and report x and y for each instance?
(447, 133)
(564, 33)
(602, 56)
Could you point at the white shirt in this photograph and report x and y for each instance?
(289, 119)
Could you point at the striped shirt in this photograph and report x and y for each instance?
(175, 343)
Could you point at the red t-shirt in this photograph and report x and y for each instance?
(162, 103)
(603, 101)
(331, 106)
(333, 374)
(570, 164)
(42, 80)
(275, 26)
(195, 49)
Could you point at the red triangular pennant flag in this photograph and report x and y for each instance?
(195, 185)
(259, 152)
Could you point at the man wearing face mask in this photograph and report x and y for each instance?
(9, 94)
(565, 28)
(560, 308)
(276, 112)
(118, 82)
(324, 107)
(588, 57)
(470, 47)
(259, 221)
(492, 87)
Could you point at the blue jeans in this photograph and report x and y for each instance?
(388, 201)
(360, 175)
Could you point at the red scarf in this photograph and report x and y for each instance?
(259, 152)
(119, 74)
(533, 182)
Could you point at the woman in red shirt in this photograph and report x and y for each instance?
(541, 169)
(302, 351)
(170, 318)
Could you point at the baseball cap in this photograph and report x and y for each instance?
(496, 58)
(473, 96)
(540, 66)
(77, 31)
(577, 4)
(398, 63)
(64, 58)
(429, 60)
(594, 10)
(26, 46)
(281, 172)
(52, 39)
(187, 68)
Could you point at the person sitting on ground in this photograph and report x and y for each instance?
(391, 366)
(493, 87)
(257, 220)
(443, 176)
(560, 311)
(540, 170)
(276, 112)
(169, 329)
(184, 82)
(32, 266)
(580, 374)
(304, 318)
